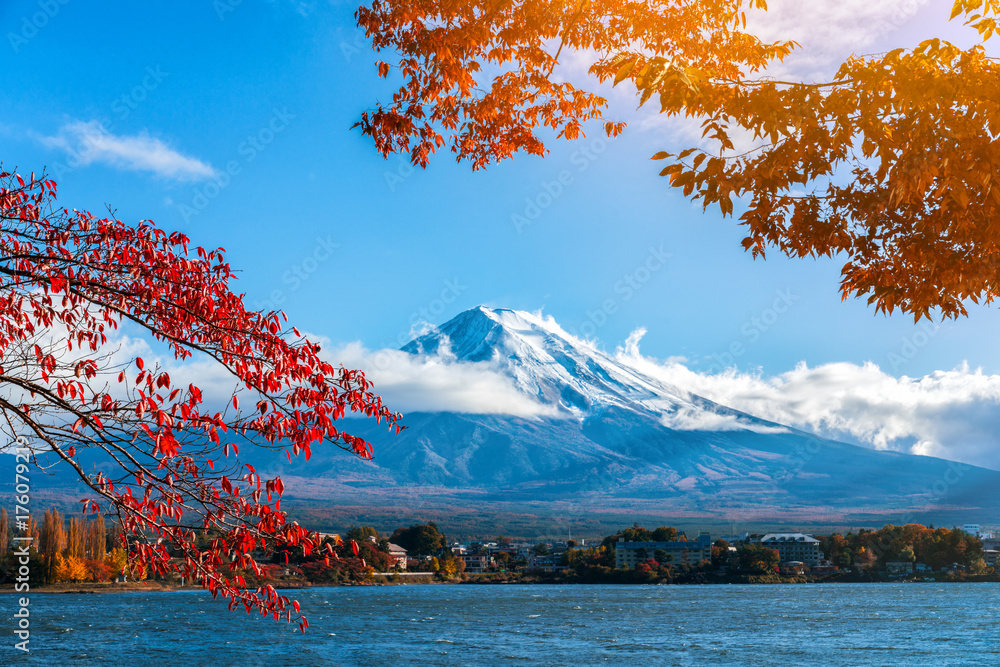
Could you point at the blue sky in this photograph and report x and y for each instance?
(357, 249)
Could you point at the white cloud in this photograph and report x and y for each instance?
(828, 30)
(690, 418)
(952, 414)
(437, 383)
(834, 25)
(89, 142)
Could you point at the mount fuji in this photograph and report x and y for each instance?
(611, 444)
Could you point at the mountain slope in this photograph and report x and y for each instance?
(616, 446)
(620, 441)
(566, 374)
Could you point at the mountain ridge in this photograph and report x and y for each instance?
(616, 446)
(570, 375)
(619, 441)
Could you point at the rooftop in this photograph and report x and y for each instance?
(789, 537)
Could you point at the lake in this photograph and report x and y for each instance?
(833, 624)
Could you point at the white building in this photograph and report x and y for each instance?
(794, 546)
(398, 555)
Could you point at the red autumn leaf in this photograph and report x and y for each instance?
(109, 273)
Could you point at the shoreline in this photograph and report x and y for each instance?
(475, 580)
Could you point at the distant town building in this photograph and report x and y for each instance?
(896, 568)
(551, 563)
(793, 567)
(824, 567)
(794, 546)
(977, 530)
(476, 563)
(691, 552)
(397, 555)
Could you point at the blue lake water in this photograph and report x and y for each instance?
(834, 624)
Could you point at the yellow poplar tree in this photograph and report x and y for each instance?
(95, 539)
(70, 568)
(75, 538)
(117, 559)
(51, 541)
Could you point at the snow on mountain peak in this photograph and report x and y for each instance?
(566, 373)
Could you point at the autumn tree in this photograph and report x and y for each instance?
(891, 164)
(636, 534)
(71, 568)
(720, 553)
(68, 281)
(51, 542)
(448, 563)
(98, 570)
(755, 558)
(664, 534)
(4, 534)
(362, 533)
(420, 539)
(96, 539)
(33, 530)
(116, 560)
(75, 538)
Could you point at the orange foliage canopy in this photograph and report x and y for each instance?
(893, 165)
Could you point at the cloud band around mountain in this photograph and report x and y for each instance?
(950, 414)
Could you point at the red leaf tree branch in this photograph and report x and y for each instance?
(68, 279)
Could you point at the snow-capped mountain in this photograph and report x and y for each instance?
(571, 375)
(618, 443)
